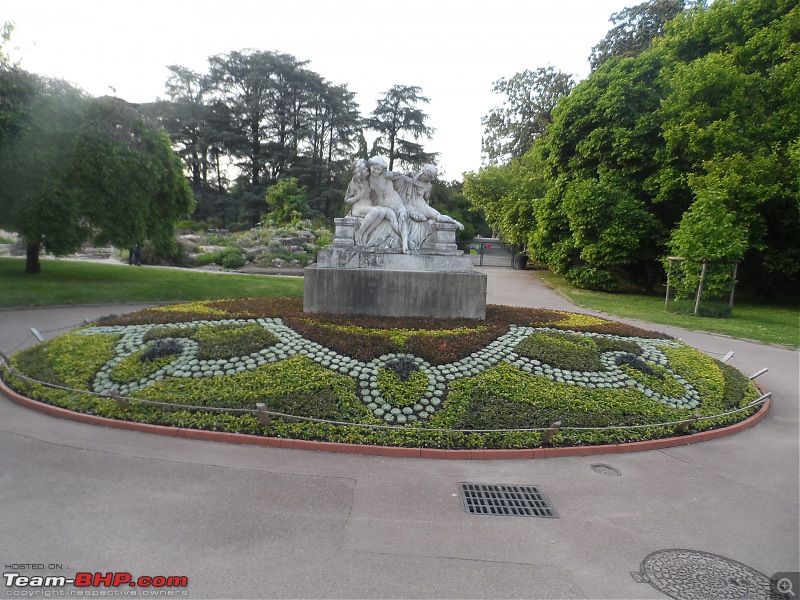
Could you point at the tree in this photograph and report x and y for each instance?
(710, 109)
(708, 232)
(730, 119)
(288, 202)
(188, 119)
(635, 29)
(507, 194)
(531, 96)
(598, 217)
(77, 168)
(398, 114)
(242, 82)
(275, 118)
(5, 36)
(449, 199)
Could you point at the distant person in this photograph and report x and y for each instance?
(135, 255)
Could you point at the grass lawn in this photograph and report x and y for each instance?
(772, 323)
(71, 282)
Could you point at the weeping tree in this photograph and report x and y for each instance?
(77, 168)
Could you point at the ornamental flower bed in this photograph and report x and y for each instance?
(441, 383)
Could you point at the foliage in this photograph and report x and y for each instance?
(449, 199)
(140, 365)
(69, 160)
(707, 233)
(288, 202)
(531, 96)
(634, 30)
(396, 117)
(507, 195)
(224, 341)
(230, 258)
(697, 109)
(77, 358)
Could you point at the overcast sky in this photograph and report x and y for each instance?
(453, 50)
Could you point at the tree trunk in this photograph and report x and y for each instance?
(32, 264)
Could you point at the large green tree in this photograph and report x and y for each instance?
(635, 28)
(709, 110)
(400, 124)
(530, 97)
(77, 168)
(731, 118)
(274, 118)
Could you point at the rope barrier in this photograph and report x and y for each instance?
(262, 411)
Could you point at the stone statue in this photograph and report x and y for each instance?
(416, 191)
(394, 254)
(359, 197)
(393, 209)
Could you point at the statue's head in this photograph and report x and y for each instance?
(360, 167)
(428, 172)
(378, 162)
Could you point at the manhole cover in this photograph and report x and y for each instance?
(605, 469)
(511, 500)
(691, 574)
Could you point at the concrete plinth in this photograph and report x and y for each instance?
(432, 260)
(394, 293)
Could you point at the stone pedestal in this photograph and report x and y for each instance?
(435, 280)
(374, 291)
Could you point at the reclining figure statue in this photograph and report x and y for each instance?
(393, 208)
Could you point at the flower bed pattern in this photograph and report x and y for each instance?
(604, 387)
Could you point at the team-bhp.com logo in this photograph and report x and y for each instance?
(90, 584)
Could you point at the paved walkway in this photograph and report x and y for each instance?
(254, 522)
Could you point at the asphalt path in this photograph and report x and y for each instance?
(257, 522)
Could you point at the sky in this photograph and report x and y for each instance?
(454, 51)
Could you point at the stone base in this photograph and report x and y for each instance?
(429, 260)
(394, 293)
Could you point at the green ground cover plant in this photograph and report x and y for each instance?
(771, 322)
(441, 383)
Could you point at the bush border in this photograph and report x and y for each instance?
(364, 449)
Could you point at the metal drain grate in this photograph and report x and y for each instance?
(510, 500)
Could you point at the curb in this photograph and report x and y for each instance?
(435, 453)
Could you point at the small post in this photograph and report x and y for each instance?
(700, 290)
(263, 415)
(733, 283)
(669, 272)
(36, 334)
(761, 399)
(551, 431)
(758, 373)
(728, 356)
(682, 427)
(122, 402)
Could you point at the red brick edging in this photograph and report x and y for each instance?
(256, 440)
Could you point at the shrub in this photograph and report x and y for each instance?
(592, 278)
(188, 225)
(230, 258)
(562, 350)
(224, 341)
